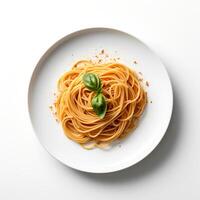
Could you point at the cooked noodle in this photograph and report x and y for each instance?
(125, 97)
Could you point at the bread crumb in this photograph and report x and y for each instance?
(147, 83)
(102, 51)
(140, 79)
(135, 62)
(140, 73)
(150, 101)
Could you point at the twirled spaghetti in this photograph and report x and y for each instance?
(125, 98)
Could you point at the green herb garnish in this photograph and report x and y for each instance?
(99, 105)
(92, 82)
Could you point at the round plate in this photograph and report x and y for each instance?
(84, 44)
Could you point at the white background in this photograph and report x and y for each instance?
(170, 28)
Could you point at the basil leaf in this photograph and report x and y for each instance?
(99, 105)
(92, 82)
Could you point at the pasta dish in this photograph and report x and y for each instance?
(99, 103)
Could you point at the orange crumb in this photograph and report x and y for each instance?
(102, 51)
(140, 73)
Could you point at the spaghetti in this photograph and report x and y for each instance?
(125, 98)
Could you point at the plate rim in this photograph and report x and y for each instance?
(123, 165)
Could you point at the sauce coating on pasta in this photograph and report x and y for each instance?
(125, 98)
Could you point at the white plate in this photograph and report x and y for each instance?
(84, 44)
